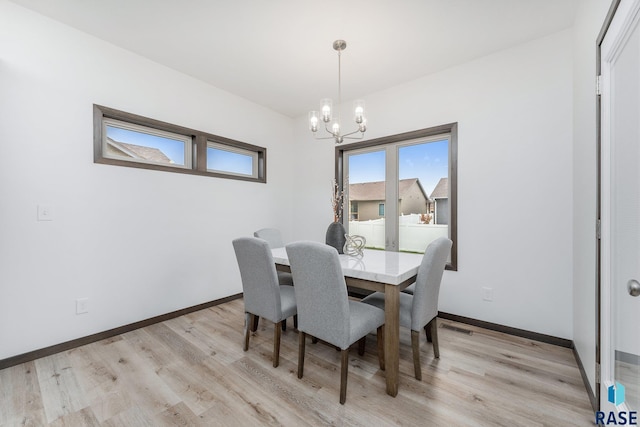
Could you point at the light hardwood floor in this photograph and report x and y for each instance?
(628, 374)
(191, 370)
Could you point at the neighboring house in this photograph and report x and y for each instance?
(439, 204)
(121, 149)
(366, 200)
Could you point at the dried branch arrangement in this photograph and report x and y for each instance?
(337, 199)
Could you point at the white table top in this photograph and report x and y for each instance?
(375, 265)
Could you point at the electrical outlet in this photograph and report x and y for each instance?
(487, 294)
(45, 213)
(82, 305)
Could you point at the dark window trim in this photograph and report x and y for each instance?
(198, 139)
(449, 128)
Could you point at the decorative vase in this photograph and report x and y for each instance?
(335, 236)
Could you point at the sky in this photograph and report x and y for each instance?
(223, 160)
(217, 159)
(427, 161)
(172, 148)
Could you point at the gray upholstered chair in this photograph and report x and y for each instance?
(263, 296)
(274, 238)
(420, 310)
(324, 309)
(410, 289)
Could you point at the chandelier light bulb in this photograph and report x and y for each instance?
(335, 128)
(359, 111)
(313, 121)
(326, 109)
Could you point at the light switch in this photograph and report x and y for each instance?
(45, 213)
(82, 305)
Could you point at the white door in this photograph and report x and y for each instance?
(620, 211)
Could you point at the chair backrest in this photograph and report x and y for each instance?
(321, 292)
(425, 295)
(260, 286)
(272, 236)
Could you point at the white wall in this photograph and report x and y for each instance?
(141, 243)
(137, 243)
(589, 20)
(514, 111)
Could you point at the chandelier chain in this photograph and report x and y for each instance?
(339, 78)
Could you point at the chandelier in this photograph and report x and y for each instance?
(327, 114)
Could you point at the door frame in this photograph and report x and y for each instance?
(603, 32)
(631, 12)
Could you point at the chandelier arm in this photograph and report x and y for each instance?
(323, 137)
(351, 133)
(326, 128)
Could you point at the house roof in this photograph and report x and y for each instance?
(442, 189)
(140, 152)
(366, 191)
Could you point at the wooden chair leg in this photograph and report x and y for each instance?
(314, 340)
(415, 345)
(248, 322)
(362, 342)
(254, 323)
(427, 331)
(277, 332)
(295, 321)
(434, 337)
(284, 325)
(301, 338)
(344, 371)
(381, 346)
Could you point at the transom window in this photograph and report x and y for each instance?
(234, 161)
(135, 143)
(125, 139)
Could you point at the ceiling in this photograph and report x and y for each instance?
(279, 53)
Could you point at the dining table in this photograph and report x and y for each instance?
(382, 271)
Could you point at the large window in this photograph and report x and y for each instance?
(403, 189)
(126, 139)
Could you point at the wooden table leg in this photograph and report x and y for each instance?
(392, 338)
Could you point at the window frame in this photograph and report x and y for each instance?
(450, 129)
(353, 210)
(198, 140)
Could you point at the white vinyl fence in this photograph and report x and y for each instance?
(414, 237)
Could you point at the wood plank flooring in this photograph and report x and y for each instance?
(191, 371)
(628, 374)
